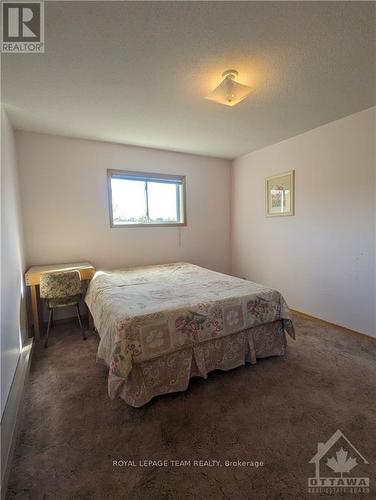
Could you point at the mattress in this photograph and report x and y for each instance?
(152, 313)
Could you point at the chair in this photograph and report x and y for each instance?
(61, 289)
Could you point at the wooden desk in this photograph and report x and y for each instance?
(32, 280)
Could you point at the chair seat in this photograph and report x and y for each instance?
(63, 302)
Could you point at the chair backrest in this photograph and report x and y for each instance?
(58, 285)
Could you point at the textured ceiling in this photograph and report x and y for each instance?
(137, 72)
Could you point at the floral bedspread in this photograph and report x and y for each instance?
(145, 312)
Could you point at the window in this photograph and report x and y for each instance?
(140, 199)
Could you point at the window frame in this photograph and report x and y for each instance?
(152, 177)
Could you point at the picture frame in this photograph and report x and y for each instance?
(280, 194)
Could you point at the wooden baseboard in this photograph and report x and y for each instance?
(327, 323)
(12, 413)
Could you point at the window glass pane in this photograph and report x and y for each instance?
(162, 202)
(138, 198)
(128, 201)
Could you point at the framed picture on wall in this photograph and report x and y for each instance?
(279, 194)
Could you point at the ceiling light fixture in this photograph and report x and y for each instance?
(229, 92)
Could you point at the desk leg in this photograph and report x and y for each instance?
(34, 306)
(91, 321)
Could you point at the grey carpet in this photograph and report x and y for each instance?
(276, 412)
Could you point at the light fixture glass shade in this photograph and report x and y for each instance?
(229, 92)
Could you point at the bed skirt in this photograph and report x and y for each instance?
(172, 372)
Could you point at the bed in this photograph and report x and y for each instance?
(161, 325)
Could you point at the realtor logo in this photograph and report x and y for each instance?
(22, 27)
(339, 456)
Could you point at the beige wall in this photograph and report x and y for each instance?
(64, 193)
(323, 258)
(13, 311)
